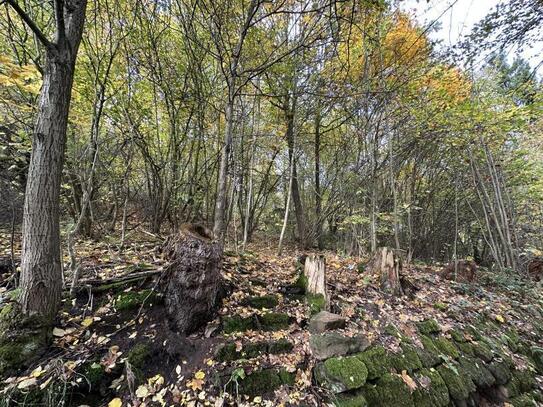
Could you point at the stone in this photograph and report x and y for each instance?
(326, 321)
(265, 301)
(429, 355)
(501, 370)
(429, 326)
(407, 359)
(376, 360)
(477, 372)
(456, 384)
(446, 347)
(264, 381)
(389, 391)
(333, 344)
(350, 400)
(341, 374)
(431, 390)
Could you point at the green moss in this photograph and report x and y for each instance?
(465, 348)
(482, 351)
(265, 301)
(429, 355)
(273, 321)
(525, 379)
(389, 391)
(407, 360)
(376, 361)
(446, 347)
(429, 326)
(93, 373)
(280, 346)
(264, 381)
(455, 383)
(236, 323)
(316, 302)
(350, 400)
(524, 400)
(138, 355)
(501, 370)
(301, 282)
(392, 330)
(434, 395)
(458, 335)
(440, 306)
(134, 299)
(476, 371)
(361, 267)
(474, 332)
(537, 357)
(341, 374)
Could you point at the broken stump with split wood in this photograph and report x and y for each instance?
(315, 283)
(192, 282)
(387, 263)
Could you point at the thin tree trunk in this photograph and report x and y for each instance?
(287, 209)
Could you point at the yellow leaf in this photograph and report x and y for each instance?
(142, 391)
(27, 383)
(87, 322)
(409, 381)
(500, 319)
(116, 402)
(199, 375)
(37, 372)
(257, 400)
(195, 384)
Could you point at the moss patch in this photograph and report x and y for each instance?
(350, 400)
(501, 370)
(429, 355)
(316, 302)
(454, 381)
(436, 394)
(482, 351)
(389, 391)
(228, 352)
(236, 323)
(408, 359)
(134, 299)
(446, 347)
(341, 374)
(138, 355)
(376, 361)
(273, 321)
(476, 371)
(430, 326)
(264, 381)
(265, 301)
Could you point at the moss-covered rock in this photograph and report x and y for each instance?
(446, 347)
(458, 335)
(236, 323)
(458, 390)
(228, 352)
(341, 374)
(389, 391)
(537, 357)
(139, 354)
(264, 381)
(476, 371)
(429, 355)
(482, 351)
(316, 303)
(301, 283)
(431, 391)
(265, 301)
(376, 360)
(350, 400)
(440, 306)
(525, 379)
(465, 348)
(273, 321)
(501, 370)
(130, 300)
(407, 360)
(429, 326)
(523, 400)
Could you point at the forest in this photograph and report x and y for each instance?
(270, 203)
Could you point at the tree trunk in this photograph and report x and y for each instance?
(315, 272)
(41, 271)
(318, 197)
(388, 264)
(192, 282)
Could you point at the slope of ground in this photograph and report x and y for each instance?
(113, 346)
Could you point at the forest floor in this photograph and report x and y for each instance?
(114, 321)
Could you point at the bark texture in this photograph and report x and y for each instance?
(192, 282)
(315, 272)
(388, 264)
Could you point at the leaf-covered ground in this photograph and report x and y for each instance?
(109, 324)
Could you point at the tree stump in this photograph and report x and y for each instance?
(315, 273)
(464, 271)
(192, 282)
(388, 264)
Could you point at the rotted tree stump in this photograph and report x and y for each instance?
(388, 264)
(315, 274)
(192, 282)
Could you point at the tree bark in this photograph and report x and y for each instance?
(41, 269)
(387, 263)
(315, 271)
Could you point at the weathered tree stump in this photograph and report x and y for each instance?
(192, 282)
(315, 273)
(388, 264)
(464, 271)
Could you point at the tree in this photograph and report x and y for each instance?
(41, 268)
